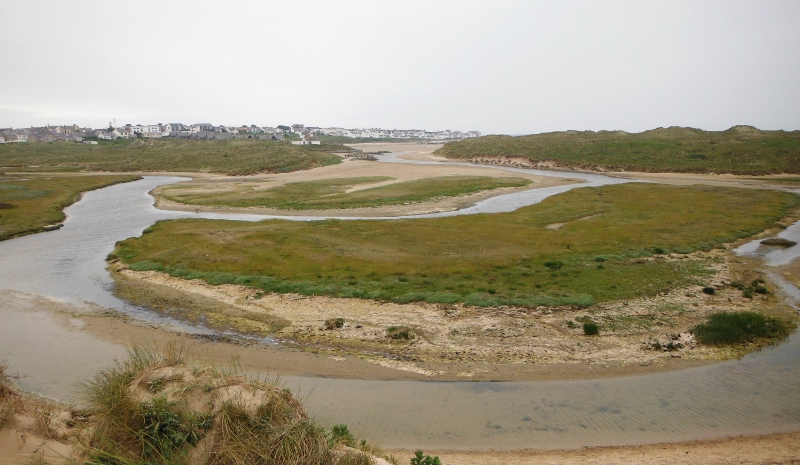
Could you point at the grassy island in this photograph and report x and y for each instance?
(585, 246)
(336, 193)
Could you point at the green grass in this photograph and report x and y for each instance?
(332, 193)
(737, 327)
(27, 206)
(233, 157)
(739, 150)
(481, 260)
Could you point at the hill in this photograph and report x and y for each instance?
(738, 150)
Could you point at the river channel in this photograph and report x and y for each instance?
(759, 393)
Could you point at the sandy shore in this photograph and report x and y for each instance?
(773, 449)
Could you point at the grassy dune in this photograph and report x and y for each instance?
(599, 253)
(739, 150)
(233, 157)
(332, 193)
(28, 205)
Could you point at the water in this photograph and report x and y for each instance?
(757, 394)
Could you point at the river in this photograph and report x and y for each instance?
(759, 393)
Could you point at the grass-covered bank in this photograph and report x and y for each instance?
(585, 246)
(160, 406)
(232, 157)
(29, 204)
(334, 193)
(739, 150)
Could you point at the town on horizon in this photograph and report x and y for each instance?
(297, 133)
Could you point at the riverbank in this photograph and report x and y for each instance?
(772, 449)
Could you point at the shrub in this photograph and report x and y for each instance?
(421, 459)
(590, 328)
(708, 290)
(340, 434)
(400, 333)
(554, 264)
(334, 323)
(735, 327)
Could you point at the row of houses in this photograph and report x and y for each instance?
(300, 134)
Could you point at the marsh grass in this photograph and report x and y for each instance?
(9, 400)
(38, 201)
(465, 258)
(332, 193)
(737, 327)
(739, 150)
(207, 416)
(232, 157)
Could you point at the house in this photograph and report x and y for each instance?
(276, 137)
(2, 139)
(11, 135)
(202, 127)
(174, 127)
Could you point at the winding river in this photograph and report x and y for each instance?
(759, 393)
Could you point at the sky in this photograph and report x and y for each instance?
(508, 67)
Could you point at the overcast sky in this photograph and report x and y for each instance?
(509, 67)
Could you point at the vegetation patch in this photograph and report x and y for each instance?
(479, 260)
(737, 327)
(778, 242)
(28, 205)
(232, 157)
(202, 415)
(738, 150)
(332, 193)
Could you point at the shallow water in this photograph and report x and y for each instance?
(757, 394)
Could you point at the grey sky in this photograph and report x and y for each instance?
(493, 66)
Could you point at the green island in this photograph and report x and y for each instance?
(232, 157)
(29, 204)
(333, 193)
(585, 246)
(738, 150)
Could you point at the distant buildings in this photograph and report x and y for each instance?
(298, 133)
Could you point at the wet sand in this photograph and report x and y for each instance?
(774, 449)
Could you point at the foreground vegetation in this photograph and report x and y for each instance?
(739, 150)
(232, 157)
(601, 249)
(27, 205)
(332, 193)
(161, 407)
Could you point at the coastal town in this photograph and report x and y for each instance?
(297, 133)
